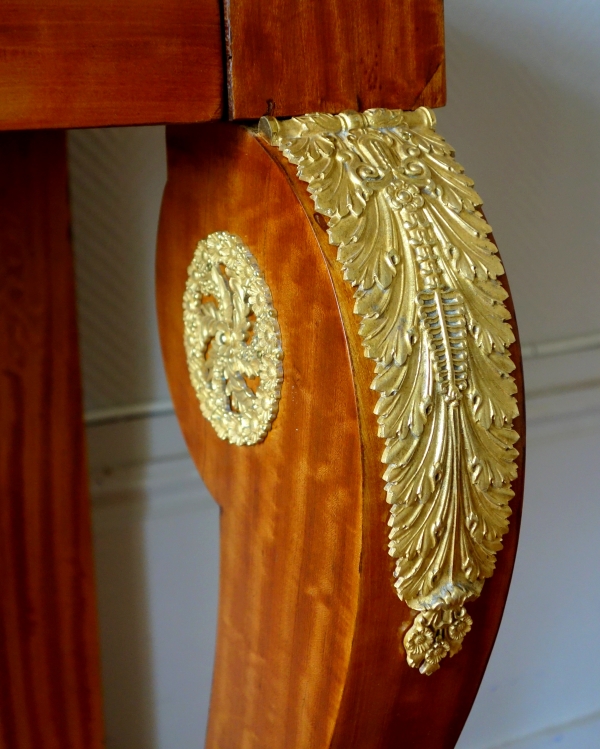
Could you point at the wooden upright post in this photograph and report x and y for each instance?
(49, 664)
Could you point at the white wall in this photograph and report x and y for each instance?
(523, 115)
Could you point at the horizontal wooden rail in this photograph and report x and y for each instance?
(91, 63)
(97, 63)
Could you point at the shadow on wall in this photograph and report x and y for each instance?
(129, 700)
(157, 557)
(116, 178)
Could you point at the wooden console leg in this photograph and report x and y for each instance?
(317, 649)
(49, 663)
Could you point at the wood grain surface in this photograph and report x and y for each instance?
(310, 627)
(76, 63)
(49, 664)
(290, 521)
(85, 63)
(297, 56)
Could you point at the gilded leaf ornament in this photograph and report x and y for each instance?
(415, 247)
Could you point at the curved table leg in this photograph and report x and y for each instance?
(312, 634)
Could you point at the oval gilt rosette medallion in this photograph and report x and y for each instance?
(232, 340)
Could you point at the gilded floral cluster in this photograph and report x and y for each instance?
(434, 635)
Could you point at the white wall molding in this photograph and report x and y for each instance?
(133, 494)
(128, 412)
(564, 384)
(562, 379)
(140, 466)
(571, 345)
(580, 732)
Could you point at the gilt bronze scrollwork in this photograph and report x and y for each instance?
(415, 247)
